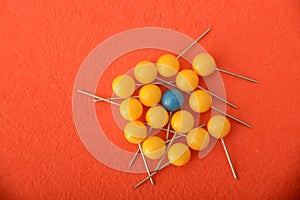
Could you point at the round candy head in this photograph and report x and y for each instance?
(179, 154)
(154, 147)
(218, 126)
(187, 80)
(135, 132)
(200, 101)
(172, 100)
(197, 139)
(123, 86)
(150, 95)
(145, 72)
(131, 109)
(167, 65)
(182, 121)
(157, 117)
(204, 64)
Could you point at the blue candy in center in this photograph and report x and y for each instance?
(172, 100)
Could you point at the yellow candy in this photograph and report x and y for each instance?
(197, 139)
(204, 64)
(131, 109)
(182, 121)
(150, 95)
(200, 101)
(167, 65)
(123, 86)
(154, 147)
(179, 154)
(157, 117)
(135, 132)
(187, 80)
(218, 126)
(145, 72)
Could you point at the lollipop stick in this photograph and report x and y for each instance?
(232, 117)
(97, 97)
(220, 98)
(134, 157)
(154, 83)
(177, 137)
(229, 160)
(168, 83)
(152, 174)
(168, 130)
(164, 129)
(193, 43)
(146, 164)
(115, 98)
(237, 75)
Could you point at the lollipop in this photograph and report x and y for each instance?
(150, 95)
(123, 86)
(167, 65)
(200, 102)
(131, 109)
(204, 65)
(182, 121)
(172, 100)
(135, 132)
(145, 72)
(218, 127)
(154, 147)
(179, 154)
(187, 80)
(157, 117)
(197, 139)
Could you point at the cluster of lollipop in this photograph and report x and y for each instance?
(165, 111)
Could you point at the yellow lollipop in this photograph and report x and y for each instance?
(218, 126)
(197, 139)
(204, 64)
(182, 121)
(179, 154)
(150, 95)
(145, 72)
(135, 132)
(157, 117)
(200, 101)
(187, 80)
(131, 109)
(167, 65)
(154, 147)
(123, 86)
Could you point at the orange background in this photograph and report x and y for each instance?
(42, 45)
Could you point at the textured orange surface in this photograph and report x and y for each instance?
(43, 43)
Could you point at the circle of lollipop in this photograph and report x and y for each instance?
(170, 112)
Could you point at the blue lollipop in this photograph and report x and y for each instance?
(172, 100)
